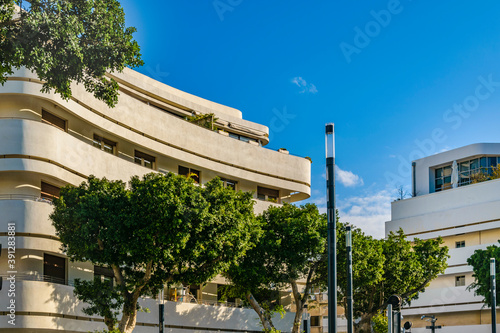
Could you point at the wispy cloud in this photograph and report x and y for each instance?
(347, 178)
(304, 86)
(368, 212)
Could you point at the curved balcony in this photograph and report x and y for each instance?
(170, 136)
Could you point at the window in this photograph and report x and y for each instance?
(104, 274)
(54, 269)
(145, 160)
(229, 183)
(104, 144)
(267, 194)
(49, 192)
(53, 120)
(443, 178)
(315, 321)
(190, 173)
(469, 171)
(460, 281)
(460, 244)
(241, 137)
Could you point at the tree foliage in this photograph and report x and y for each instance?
(480, 262)
(291, 247)
(391, 266)
(161, 229)
(67, 40)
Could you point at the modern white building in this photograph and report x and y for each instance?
(466, 215)
(46, 143)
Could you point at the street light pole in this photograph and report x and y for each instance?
(349, 314)
(493, 296)
(332, 230)
(161, 312)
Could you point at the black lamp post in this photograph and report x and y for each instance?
(332, 237)
(493, 296)
(349, 314)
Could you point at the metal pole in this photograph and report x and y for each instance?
(305, 320)
(389, 319)
(398, 322)
(349, 314)
(332, 229)
(161, 313)
(493, 296)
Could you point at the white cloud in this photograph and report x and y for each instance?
(368, 212)
(347, 178)
(304, 86)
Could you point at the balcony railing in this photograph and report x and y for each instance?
(25, 197)
(38, 277)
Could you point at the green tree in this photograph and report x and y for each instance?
(67, 40)
(391, 266)
(161, 229)
(480, 262)
(291, 247)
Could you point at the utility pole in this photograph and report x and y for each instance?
(332, 228)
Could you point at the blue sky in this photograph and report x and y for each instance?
(398, 78)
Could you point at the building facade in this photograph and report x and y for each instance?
(46, 143)
(448, 202)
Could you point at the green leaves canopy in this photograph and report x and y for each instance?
(291, 247)
(164, 228)
(480, 262)
(68, 40)
(391, 266)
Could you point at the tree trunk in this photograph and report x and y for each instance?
(365, 324)
(264, 316)
(110, 323)
(299, 306)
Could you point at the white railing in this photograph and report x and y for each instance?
(24, 197)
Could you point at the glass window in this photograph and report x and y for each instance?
(144, 159)
(229, 183)
(492, 162)
(460, 281)
(104, 144)
(49, 192)
(190, 173)
(54, 269)
(460, 244)
(268, 194)
(104, 274)
(53, 120)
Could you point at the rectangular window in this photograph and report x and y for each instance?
(460, 281)
(268, 194)
(104, 274)
(104, 144)
(49, 192)
(315, 321)
(190, 173)
(442, 178)
(229, 183)
(54, 269)
(460, 244)
(53, 120)
(144, 159)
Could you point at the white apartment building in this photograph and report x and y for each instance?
(46, 143)
(467, 216)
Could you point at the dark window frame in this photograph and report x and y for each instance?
(146, 160)
(53, 120)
